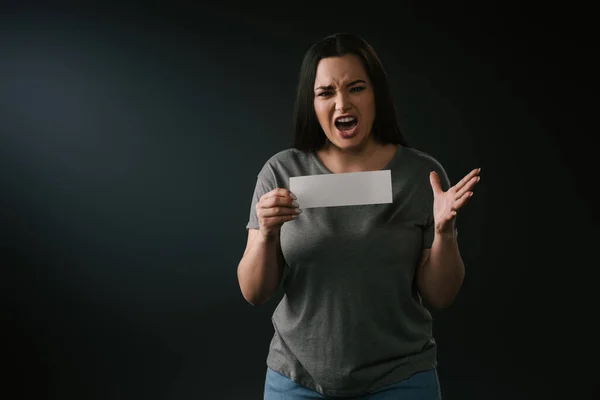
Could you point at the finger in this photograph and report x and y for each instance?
(458, 204)
(279, 192)
(451, 216)
(279, 202)
(271, 221)
(466, 179)
(434, 180)
(468, 187)
(277, 211)
(447, 220)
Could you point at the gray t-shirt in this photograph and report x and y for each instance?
(351, 319)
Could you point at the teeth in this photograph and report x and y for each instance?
(346, 119)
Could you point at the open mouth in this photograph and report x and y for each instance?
(346, 123)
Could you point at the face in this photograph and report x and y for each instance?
(344, 101)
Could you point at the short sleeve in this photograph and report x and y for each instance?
(259, 190)
(265, 182)
(429, 229)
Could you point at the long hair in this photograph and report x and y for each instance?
(308, 134)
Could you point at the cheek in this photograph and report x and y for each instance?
(368, 103)
(322, 111)
(368, 109)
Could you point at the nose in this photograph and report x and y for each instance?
(342, 103)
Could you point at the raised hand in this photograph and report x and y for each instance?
(446, 204)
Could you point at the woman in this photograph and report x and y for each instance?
(352, 322)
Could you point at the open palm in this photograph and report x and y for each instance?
(447, 203)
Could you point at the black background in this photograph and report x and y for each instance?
(130, 140)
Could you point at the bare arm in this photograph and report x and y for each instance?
(441, 271)
(261, 268)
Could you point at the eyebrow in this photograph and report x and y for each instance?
(329, 87)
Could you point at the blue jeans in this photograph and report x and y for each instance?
(420, 386)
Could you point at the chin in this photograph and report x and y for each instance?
(348, 142)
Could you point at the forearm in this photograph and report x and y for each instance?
(260, 270)
(441, 277)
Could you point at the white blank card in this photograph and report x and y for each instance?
(346, 189)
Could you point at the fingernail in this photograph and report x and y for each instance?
(295, 204)
(299, 211)
(293, 196)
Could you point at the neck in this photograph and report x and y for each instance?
(367, 157)
(362, 151)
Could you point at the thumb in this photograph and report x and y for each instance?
(434, 180)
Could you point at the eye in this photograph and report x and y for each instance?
(357, 89)
(324, 94)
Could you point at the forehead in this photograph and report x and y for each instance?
(336, 70)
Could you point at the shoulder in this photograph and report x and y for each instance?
(422, 160)
(285, 163)
(420, 164)
(287, 156)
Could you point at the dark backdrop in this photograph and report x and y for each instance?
(130, 140)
